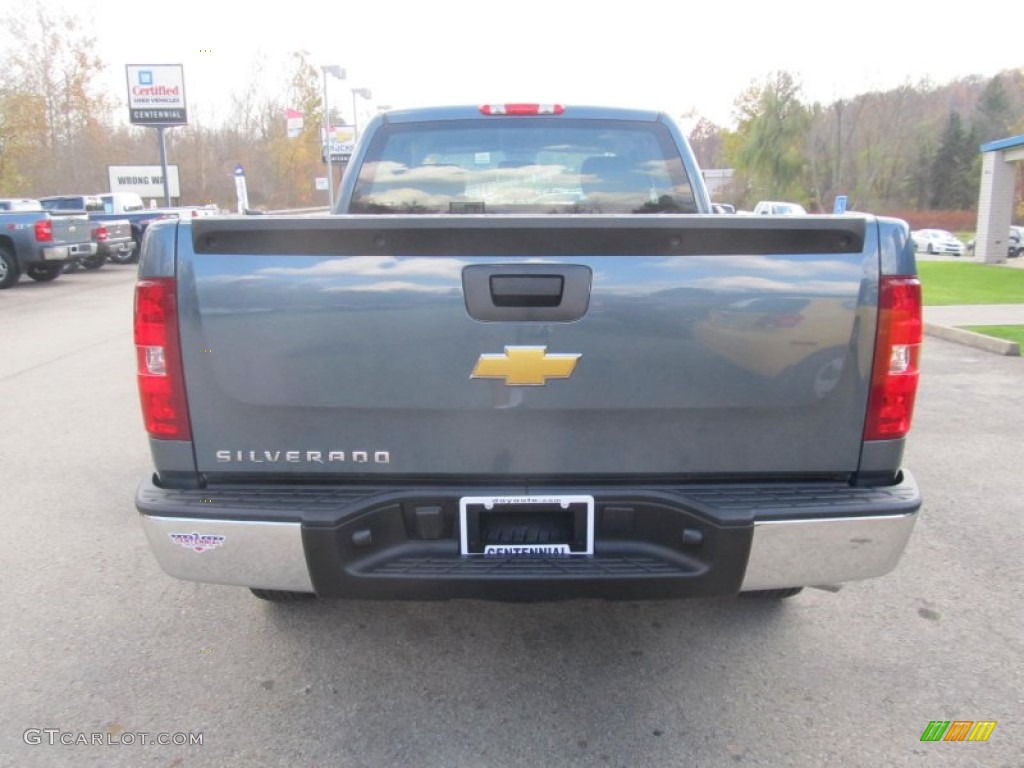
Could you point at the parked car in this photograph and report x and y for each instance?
(937, 241)
(39, 243)
(121, 202)
(113, 237)
(130, 202)
(773, 208)
(19, 204)
(1014, 243)
(119, 214)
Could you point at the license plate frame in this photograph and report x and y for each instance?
(575, 509)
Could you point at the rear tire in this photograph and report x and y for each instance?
(131, 255)
(9, 272)
(44, 273)
(772, 594)
(124, 257)
(281, 595)
(94, 262)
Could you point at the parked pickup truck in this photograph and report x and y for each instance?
(526, 362)
(38, 243)
(113, 237)
(101, 210)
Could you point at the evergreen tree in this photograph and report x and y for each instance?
(953, 180)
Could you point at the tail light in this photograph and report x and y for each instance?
(522, 109)
(158, 360)
(897, 353)
(100, 234)
(44, 231)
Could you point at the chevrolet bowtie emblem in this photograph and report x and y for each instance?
(524, 366)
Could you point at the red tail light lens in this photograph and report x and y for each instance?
(100, 234)
(522, 109)
(158, 360)
(895, 373)
(44, 231)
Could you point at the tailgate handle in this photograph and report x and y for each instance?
(527, 290)
(536, 292)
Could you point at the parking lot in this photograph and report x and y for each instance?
(95, 639)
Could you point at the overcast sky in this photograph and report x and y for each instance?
(676, 56)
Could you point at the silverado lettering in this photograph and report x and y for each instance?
(320, 457)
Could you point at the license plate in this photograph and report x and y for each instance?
(527, 526)
(55, 253)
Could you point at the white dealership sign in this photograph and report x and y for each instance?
(144, 180)
(156, 94)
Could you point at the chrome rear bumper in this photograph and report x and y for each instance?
(260, 554)
(796, 553)
(686, 541)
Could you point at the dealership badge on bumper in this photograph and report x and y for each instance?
(198, 542)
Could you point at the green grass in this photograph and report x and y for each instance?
(1007, 332)
(944, 284)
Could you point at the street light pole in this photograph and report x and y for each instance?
(366, 94)
(334, 71)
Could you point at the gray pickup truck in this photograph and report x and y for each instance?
(38, 243)
(113, 236)
(526, 362)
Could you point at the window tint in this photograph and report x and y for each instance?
(515, 166)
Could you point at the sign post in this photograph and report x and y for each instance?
(240, 189)
(339, 72)
(156, 98)
(840, 204)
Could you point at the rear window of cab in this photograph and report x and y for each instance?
(510, 165)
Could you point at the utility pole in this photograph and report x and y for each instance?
(339, 72)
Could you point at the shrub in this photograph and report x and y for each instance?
(953, 221)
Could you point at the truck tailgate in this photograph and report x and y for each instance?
(527, 346)
(70, 228)
(117, 230)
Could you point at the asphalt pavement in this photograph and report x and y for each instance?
(101, 653)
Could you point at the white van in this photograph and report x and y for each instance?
(121, 202)
(772, 208)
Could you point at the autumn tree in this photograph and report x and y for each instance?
(769, 144)
(280, 170)
(54, 61)
(706, 140)
(298, 159)
(20, 143)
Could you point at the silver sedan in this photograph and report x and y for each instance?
(937, 241)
